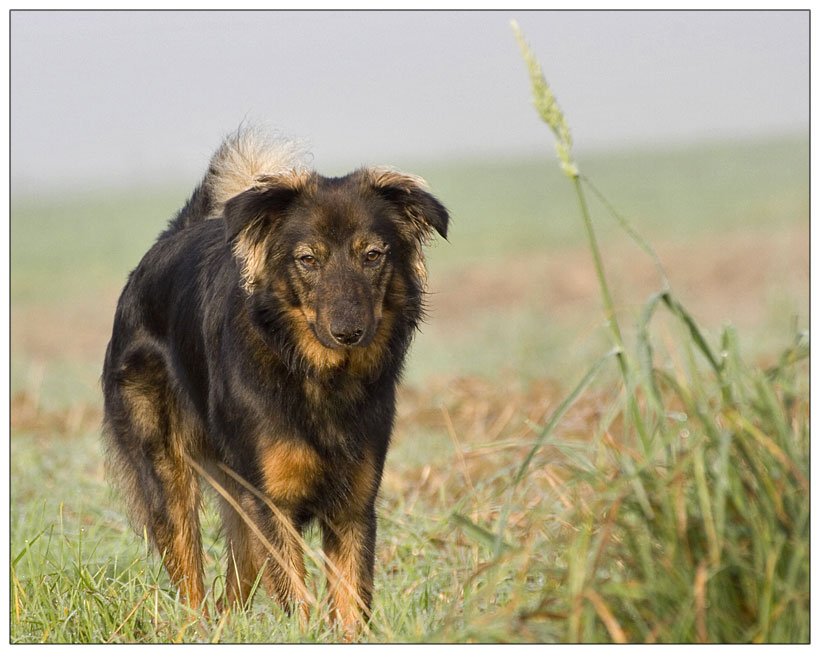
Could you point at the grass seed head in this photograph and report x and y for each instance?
(547, 107)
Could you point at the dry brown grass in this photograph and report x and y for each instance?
(26, 414)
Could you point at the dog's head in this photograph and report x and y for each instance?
(342, 257)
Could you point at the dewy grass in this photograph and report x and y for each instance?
(692, 524)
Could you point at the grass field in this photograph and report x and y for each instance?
(491, 529)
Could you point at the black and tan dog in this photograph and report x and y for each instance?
(257, 346)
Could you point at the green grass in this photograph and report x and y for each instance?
(107, 233)
(78, 574)
(721, 497)
(657, 492)
(522, 206)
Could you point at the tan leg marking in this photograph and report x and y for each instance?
(348, 544)
(178, 535)
(172, 518)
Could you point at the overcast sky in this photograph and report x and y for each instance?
(103, 97)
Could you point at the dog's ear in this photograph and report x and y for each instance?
(421, 213)
(409, 195)
(267, 200)
(251, 217)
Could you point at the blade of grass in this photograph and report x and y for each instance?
(706, 507)
(764, 440)
(641, 242)
(606, 616)
(677, 309)
(27, 548)
(645, 352)
(479, 534)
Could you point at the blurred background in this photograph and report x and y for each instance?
(102, 98)
(694, 124)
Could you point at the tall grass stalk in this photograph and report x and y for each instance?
(547, 107)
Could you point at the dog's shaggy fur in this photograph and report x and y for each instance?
(258, 345)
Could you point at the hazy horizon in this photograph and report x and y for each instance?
(103, 98)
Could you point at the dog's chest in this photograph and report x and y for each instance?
(294, 474)
(327, 396)
(291, 470)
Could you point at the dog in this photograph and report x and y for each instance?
(256, 349)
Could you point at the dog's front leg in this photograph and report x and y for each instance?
(349, 545)
(281, 547)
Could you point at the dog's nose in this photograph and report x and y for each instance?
(346, 335)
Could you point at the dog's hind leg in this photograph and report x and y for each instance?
(174, 521)
(243, 558)
(149, 446)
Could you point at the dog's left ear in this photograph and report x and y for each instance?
(267, 200)
(251, 218)
(409, 194)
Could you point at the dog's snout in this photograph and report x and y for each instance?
(346, 333)
(345, 315)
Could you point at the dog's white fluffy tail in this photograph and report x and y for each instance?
(244, 156)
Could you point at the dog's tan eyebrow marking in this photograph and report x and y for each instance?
(316, 249)
(302, 249)
(365, 243)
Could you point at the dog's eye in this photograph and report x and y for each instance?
(308, 260)
(372, 256)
